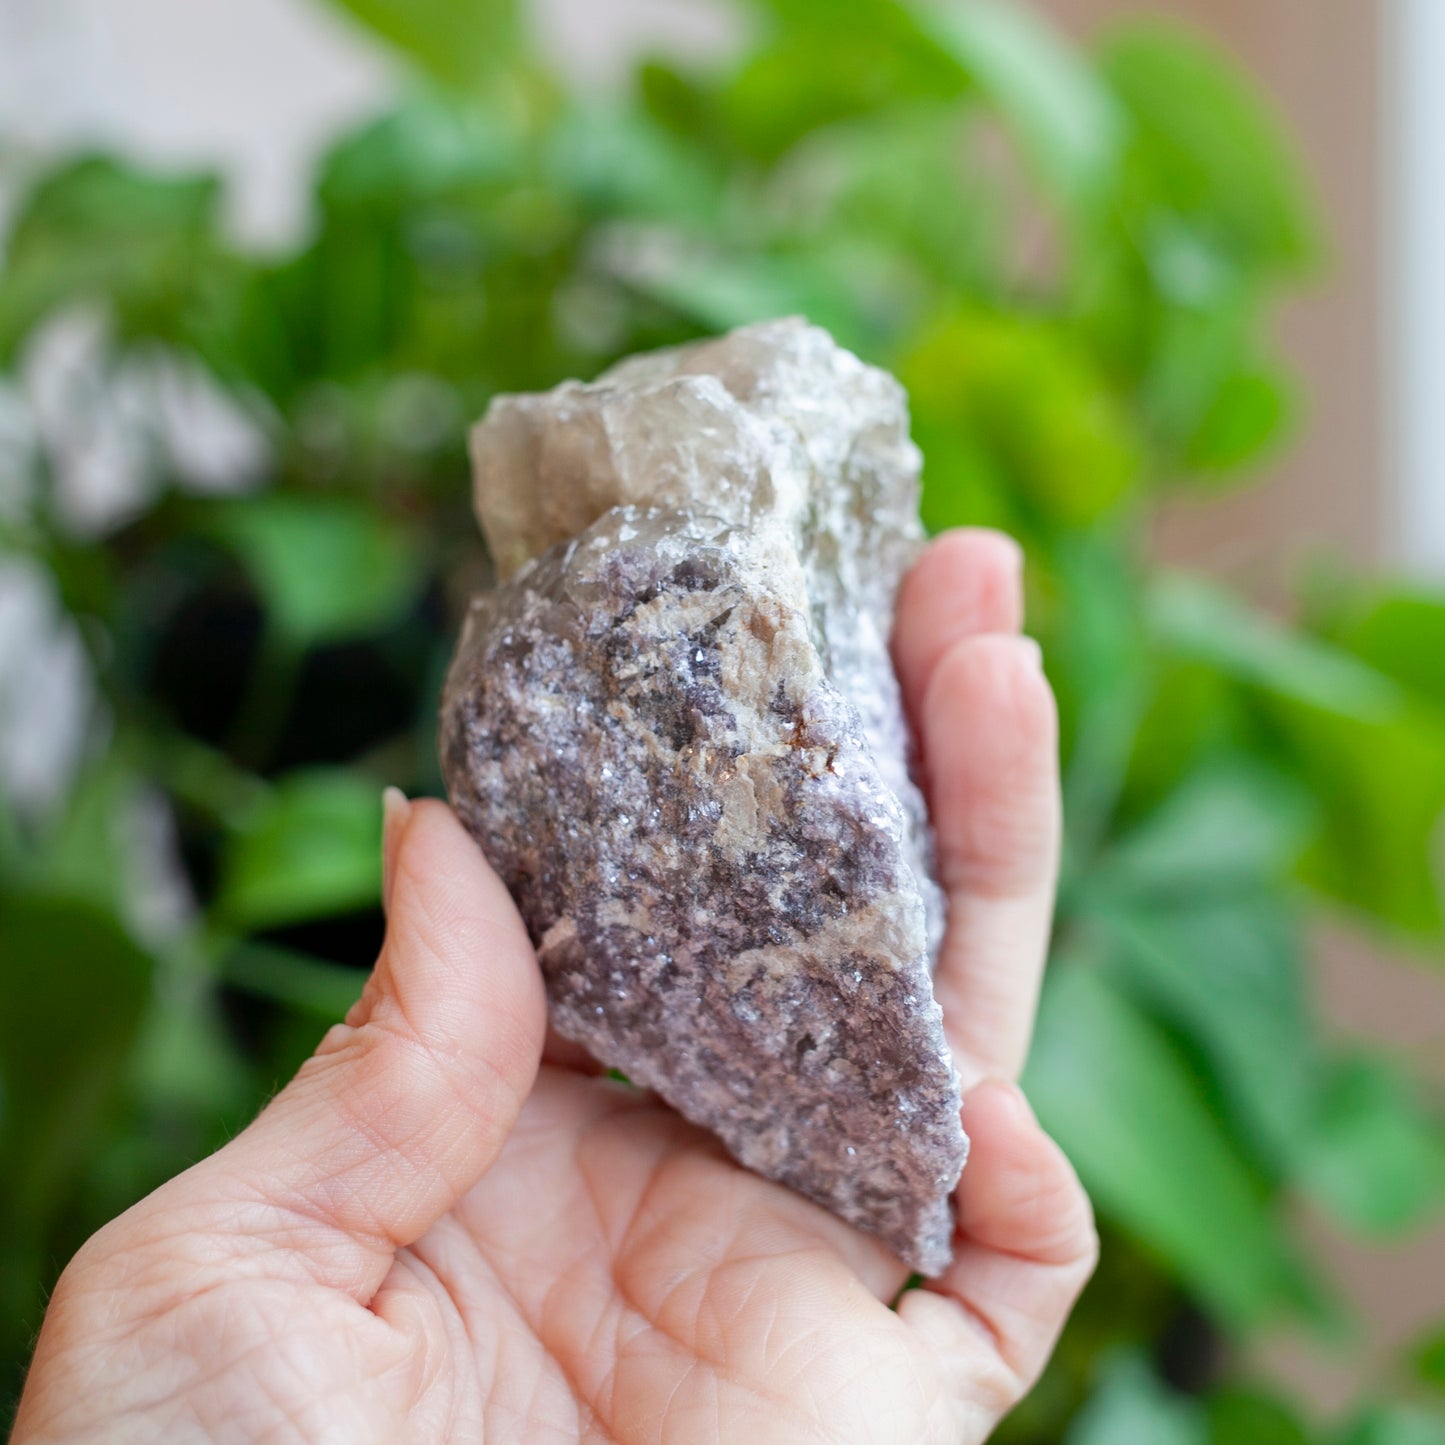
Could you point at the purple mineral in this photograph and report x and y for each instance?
(674, 729)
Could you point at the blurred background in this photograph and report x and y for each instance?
(1164, 283)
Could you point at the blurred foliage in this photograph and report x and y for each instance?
(1071, 258)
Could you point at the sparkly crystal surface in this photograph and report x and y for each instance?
(675, 731)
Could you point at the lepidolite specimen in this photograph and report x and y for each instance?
(675, 731)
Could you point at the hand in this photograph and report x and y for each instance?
(427, 1237)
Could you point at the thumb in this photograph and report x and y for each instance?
(404, 1106)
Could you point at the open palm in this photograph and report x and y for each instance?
(428, 1237)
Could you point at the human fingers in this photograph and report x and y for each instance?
(967, 582)
(1026, 1248)
(989, 732)
(403, 1106)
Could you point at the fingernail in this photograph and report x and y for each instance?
(395, 809)
(1031, 649)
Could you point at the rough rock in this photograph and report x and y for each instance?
(674, 730)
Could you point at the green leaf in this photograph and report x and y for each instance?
(307, 985)
(1374, 760)
(1247, 1417)
(718, 291)
(1101, 665)
(1250, 410)
(187, 1061)
(1429, 1359)
(824, 64)
(1205, 623)
(1219, 958)
(431, 144)
(310, 849)
(1067, 121)
(86, 852)
(1400, 632)
(1382, 785)
(905, 188)
(1194, 279)
(620, 165)
(1107, 1084)
(963, 485)
(859, 57)
(681, 102)
(327, 568)
(1397, 1425)
(1193, 718)
(462, 43)
(1032, 400)
(76, 989)
(1228, 974)
(1133, 1407)
(1208, 146)
(1372, 1155)
(95, 231)
(1215, 396)
(1233, 823)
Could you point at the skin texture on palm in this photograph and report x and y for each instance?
(447, 1228)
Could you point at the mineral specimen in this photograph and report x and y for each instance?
(674, 730)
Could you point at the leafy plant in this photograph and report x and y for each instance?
(1070, 258)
